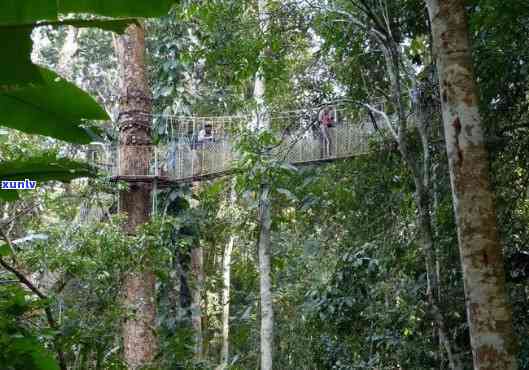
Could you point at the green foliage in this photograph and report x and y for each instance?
(46, 167)
(256, 165)
(32, 98)
(16, 65)
(44, 103)
(90, 263)
(21, 346)
(14, 12)
(117, 8)
(230, 43)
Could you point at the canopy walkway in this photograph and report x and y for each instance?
(203, 148)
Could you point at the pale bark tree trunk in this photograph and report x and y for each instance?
(265, 279)
(64, 68)
(227, 211)
(264, 247)
(197, 267)
(265, 217)
(68, 50)
(135, 152)
(226, 282)
(197, 252)
(488, 310)
(196, 287)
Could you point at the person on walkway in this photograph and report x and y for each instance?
(326, 119)
(205, 135)
(205, 140)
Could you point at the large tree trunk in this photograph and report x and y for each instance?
(489, 314)
(135, 152)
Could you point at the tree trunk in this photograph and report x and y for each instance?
(226, 279)
(424, 221)
(423, 199)
(267, 312)
(197, 267)
(229, 211)
(489, 314)
(135, 153)
(67, 52)
(265, 217)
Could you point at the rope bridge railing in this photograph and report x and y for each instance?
(196, 148)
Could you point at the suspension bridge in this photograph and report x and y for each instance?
(197, 149)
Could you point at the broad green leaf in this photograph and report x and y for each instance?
(15, 65)
(44, 168)
(117, 8)
(27, 11)
(41, 169)
(19, 17)
(24, 12)
(16, 68)
(311, 247)
(56, 108)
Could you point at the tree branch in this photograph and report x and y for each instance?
(25, 281)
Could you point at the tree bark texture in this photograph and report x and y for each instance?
(197, 266)
(230, 212)
(265, 279)
(488, 310)
(135, 152)
(67, 52)
(265, 217)
(226, 280)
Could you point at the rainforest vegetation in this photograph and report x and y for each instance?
(409, 253)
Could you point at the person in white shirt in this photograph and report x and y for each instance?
(206, 134)
(204, 140)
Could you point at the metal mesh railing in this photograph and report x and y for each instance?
(203, 146)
